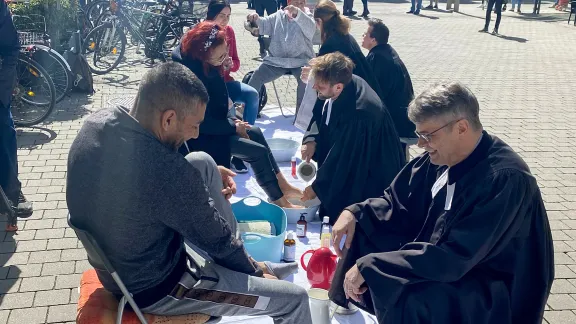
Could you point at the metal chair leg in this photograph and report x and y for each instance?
(121, 306)
(278, 99)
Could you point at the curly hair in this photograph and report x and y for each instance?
(199, 42)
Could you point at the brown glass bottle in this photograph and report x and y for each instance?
(301, 226)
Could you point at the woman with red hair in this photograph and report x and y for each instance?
(203, 50)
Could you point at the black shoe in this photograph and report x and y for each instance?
(24, 208)
(435, 6)
(410, 12)
(483, 30)
(350, 13)
(365, 14)
(495, 32)
(429, 7)
(238, 165)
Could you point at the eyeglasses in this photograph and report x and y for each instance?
(428, 137)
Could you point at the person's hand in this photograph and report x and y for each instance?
(307, 151)
(269, 276)
(241, 128)
(227, 64)
(305, 73)
(291, 11)
(252, 17)
(353, 282)
(309, 194)
(228, 184)
(345, 225)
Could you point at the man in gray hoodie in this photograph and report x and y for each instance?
(162, 219)
(291, 32)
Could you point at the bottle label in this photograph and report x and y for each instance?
(290, 253)
(300, 230)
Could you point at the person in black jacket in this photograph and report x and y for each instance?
(395, 84)
(335, 37)
(9, 46)
(203, 50)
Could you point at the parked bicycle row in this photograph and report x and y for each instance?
(106, 28)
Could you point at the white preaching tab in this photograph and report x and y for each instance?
(328, 107)
(449, 196)
(440, 182)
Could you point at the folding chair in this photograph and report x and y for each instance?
(99, 261)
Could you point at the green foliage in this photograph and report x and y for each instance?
(60, 17)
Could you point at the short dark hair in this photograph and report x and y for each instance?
(446, 100)
(169, 86)
(380, 31)
(332, 68)
(215, 7)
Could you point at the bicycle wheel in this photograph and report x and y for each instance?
(34, 96)
(104, 47)
(57, 68)
(170, 37)
(94, 10)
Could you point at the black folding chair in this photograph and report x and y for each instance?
(99, 261)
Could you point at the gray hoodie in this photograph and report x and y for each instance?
(290, 39)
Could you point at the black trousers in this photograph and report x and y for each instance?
(257, 152)
(271, 6)
(498, 9)
(349, 4)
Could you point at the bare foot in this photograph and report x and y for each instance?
(284, 203)
(292, 192)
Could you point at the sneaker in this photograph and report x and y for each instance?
(24, 208)
(495, 32)
(238, 166)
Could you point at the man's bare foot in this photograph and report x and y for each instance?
(284, 203)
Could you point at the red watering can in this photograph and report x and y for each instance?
(321, 267)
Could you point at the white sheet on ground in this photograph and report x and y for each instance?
(273, 124)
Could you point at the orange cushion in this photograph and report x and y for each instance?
(96, 305)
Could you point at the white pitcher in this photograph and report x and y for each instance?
(319, 306)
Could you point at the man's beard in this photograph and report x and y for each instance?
(322, 97)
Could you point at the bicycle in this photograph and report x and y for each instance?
(108, 40)
(34, 95)
(36, 42)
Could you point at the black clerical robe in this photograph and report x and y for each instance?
(395, 86)
(357, 148)
(484, 256)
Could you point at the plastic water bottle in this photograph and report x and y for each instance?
(326, 233)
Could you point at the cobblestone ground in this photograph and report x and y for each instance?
(524, 81)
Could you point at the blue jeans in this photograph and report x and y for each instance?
(241, 92)
(8, 156)
(416, 5)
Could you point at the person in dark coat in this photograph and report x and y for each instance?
(335, 37)
(351, 136)
(203, 50)
(460, 236)
(9, 46)
(395, 84)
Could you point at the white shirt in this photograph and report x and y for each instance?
(328, 108)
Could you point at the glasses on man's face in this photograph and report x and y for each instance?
(427, 137)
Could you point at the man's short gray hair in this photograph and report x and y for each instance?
(447, 100)
(169, 86)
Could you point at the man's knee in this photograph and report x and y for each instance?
(203, 162)
(256, 135)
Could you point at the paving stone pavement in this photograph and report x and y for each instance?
(522, 80)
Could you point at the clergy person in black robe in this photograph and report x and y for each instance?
(352, 137)
(460, 236)
(396, 89)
